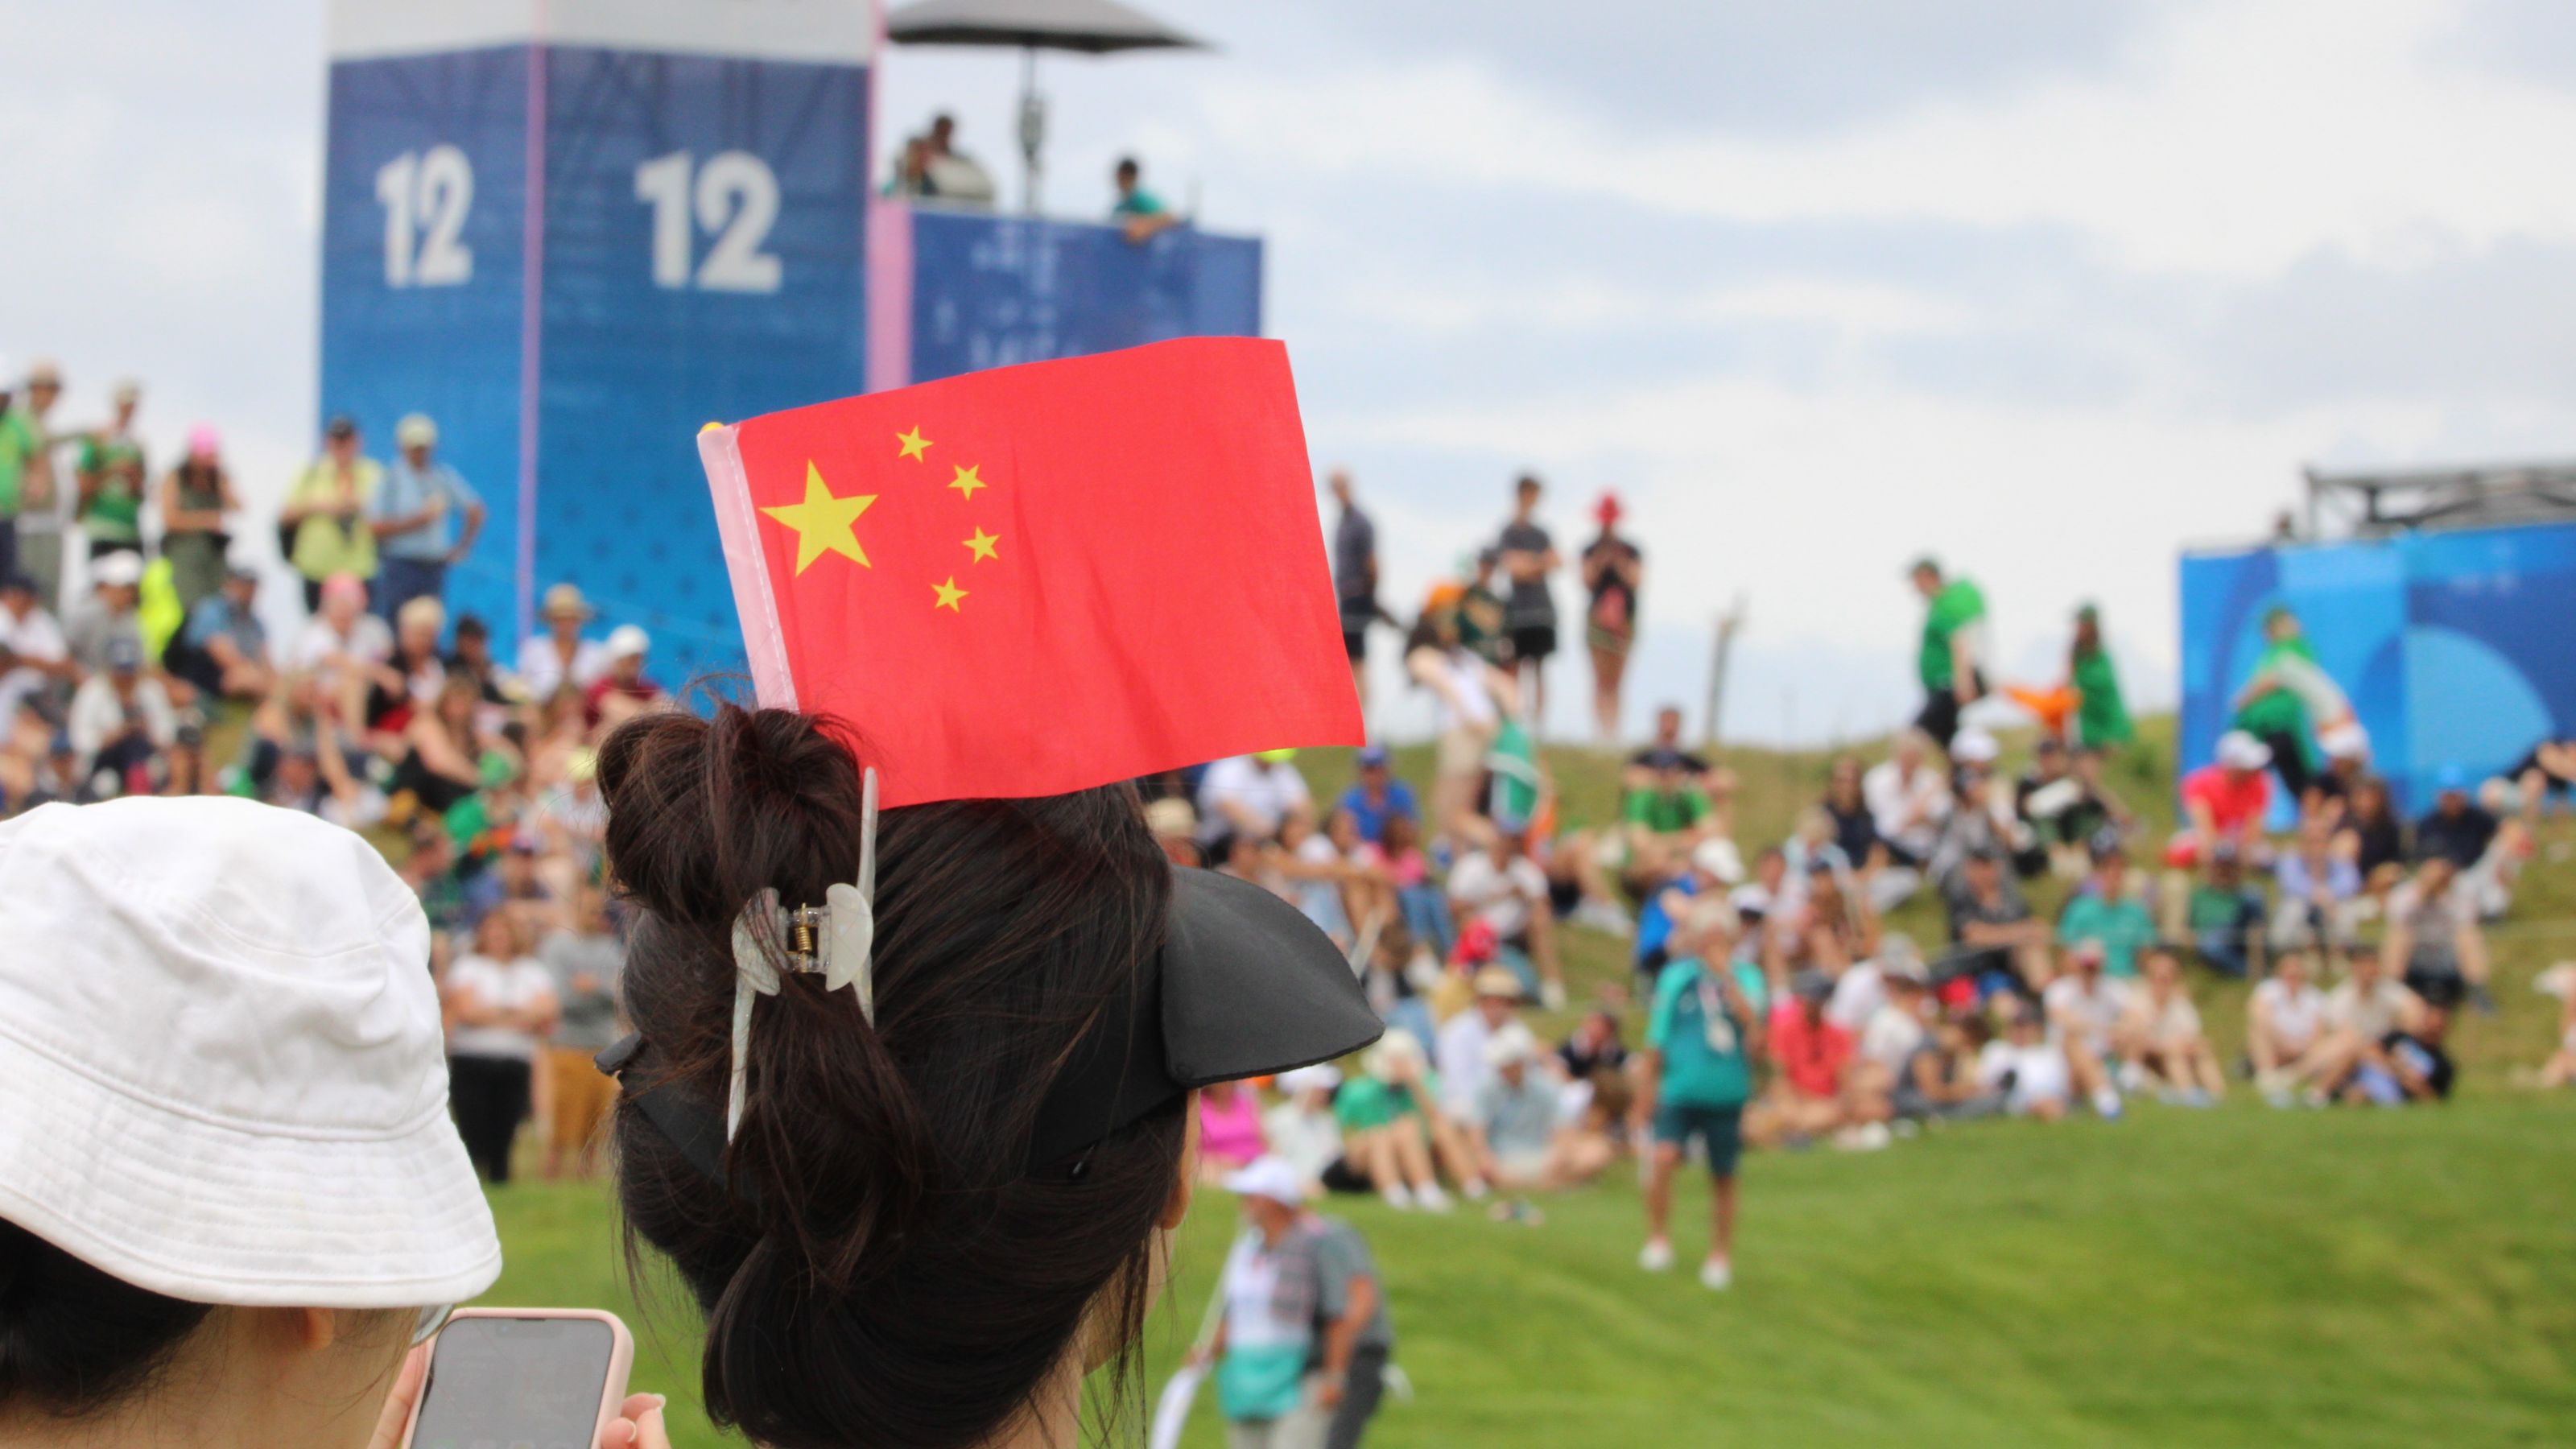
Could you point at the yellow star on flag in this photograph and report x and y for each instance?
(966, 482)
(982, 543)
(948, 594)
(911, 445)
(823, 522)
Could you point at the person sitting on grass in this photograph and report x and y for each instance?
(1991, 928)
(2223, 804)
(1908, 797)
(2285, 1028)
(2433, 942)
(1302, 1133)
(1511, 1132)
(2083, 1009)
(2363, 1010)
(2161, 1039)
(1813, 1093)
(2026, 1070)
(1715, 867)
(2320, 889)
(1386, 1133)
(1664, 812)
(2225, 915)
(2410, 1064)
(2106, 909)
(1940, 1079)
(1694, 1079)
(2560, 1069)
(1501, 886)
(1895, 1029)
(1229, 1130)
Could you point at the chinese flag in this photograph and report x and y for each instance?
(1042, 578)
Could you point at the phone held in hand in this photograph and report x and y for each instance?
(546, 1378)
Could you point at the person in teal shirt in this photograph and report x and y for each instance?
(1700, 1040)
(2104, 911)
(1953, 622)
(1138, 212)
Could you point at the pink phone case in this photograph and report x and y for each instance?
(621, 1359)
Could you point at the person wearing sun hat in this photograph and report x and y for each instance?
(1613, 570)
(1301, 1349)
(230, 1194)
(560, 657)
(426, 518)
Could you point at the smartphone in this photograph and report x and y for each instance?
(523, 1378)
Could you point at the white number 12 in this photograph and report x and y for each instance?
(734, 196)
(425, 195)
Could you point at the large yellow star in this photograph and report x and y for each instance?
(982, 543)
(966, 482)
(948, 594)
(823, 522)
(911, 445)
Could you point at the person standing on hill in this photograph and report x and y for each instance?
(324, 523)
(111, 477)
(1612, 570)
(2101, 715)
(1953, 632)
(415, 516)
(1355, 579)
(1528, 558)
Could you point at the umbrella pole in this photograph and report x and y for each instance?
(1032, 129)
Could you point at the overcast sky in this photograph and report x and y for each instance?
(2050, 290)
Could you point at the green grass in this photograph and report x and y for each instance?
(2241, 1276)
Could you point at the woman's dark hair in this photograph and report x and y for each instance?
(884, 1267)
(73, 1339)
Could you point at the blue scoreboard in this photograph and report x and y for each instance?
(572, 230)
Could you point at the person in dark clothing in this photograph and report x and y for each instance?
(1355, 579)
(2457, 829)
(1528, 559)
(1613, 569)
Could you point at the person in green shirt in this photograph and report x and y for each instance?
(2270, 710)
(1138, 212)
(18, 449)
(1953, 624)
(2101, 715)
(36, 515)
(111, 477)
(1697, 1076)
(2104, 911)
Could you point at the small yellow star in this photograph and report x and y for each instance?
(823, 522)
(948, 594)
(982, 543)
(911, 445)
(966, 482)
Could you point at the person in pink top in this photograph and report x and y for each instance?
(1230, 1134)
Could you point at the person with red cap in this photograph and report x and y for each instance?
(1612, 569)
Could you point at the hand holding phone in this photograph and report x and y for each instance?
(544, 1378)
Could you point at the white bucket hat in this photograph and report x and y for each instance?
(221, 1064)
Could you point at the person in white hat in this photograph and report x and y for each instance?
(622, 691)
(560, 657)
(1302, 1349)
(230, 1195)
(414, 514)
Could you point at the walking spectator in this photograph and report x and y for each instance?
(36, 665)
(1908, 799)
(1528, 559)
(2101, 714)
(2285, 1028)
(1139, 213)
(1613, 571)
(2107, 911)
(195, 498)
(108, 616)
(121, 722)
(41, 496)
(323, 527)
(222, 648)
(1469, 697)
(586, 962)
(415, 513)
(501, 1005)
(1302, 1349)
(1355, 581)
(2084, 1010)
(1693, 1083)
(1949, 663)
(2161, 1039)
(1377, 795)
(111, 476)
(560, 658)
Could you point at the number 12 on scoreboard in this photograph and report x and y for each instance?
(734, 198)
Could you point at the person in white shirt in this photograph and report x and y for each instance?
(561, 658)
(1863, 987)
(2084, 1008)
(1908, 797)
(342, 639)
(121, 720)
(1459, 1053)
(1250, 795)
(1895, 1029)
(501, 1002)
(2161, 1037)
(2025, 1066)
(1301, 1129)
(1469, 699)
(1502, 887)
(33, 652)
(2285, 1027)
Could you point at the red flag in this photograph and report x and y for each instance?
(1042, 578)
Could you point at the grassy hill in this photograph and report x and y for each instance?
(2238, 1276)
